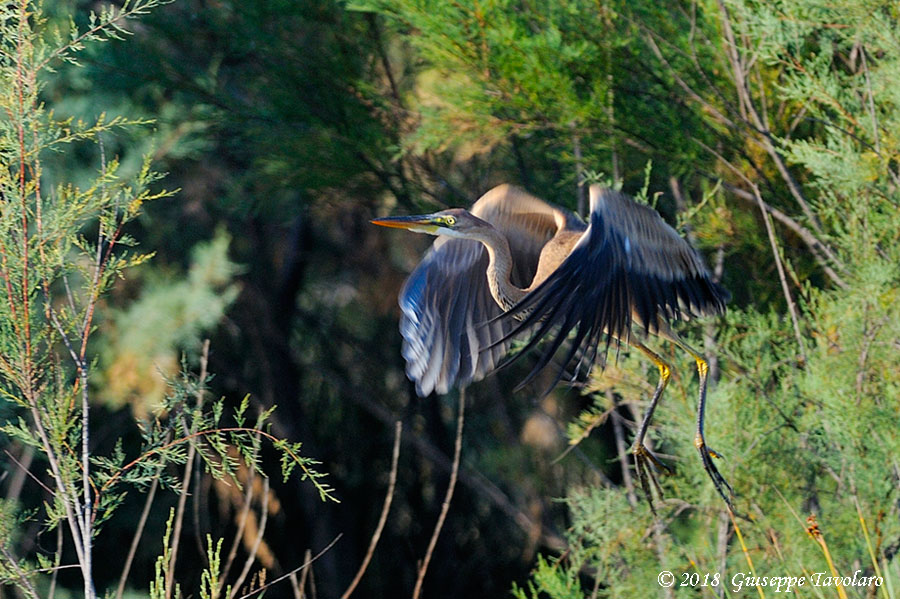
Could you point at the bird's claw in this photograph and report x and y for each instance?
(646, 465)
(721, 485)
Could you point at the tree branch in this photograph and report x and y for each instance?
(445, 507)
(816, 246)
(395, 456)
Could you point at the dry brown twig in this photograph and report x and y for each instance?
(757, 122)
(457, 451)
(299, 589)
(264, 518)
(773, 242)
(186, 481)
(820, 250)
(622, 450)
(395, 457)
(242, 523)
(304, 568)
(137, 537)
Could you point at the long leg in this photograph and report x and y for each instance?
(644, 461)
(706, 454)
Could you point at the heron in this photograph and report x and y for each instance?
(515, 264)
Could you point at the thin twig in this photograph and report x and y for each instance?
(186, 480)
(24, 583)
(179, 519)
(70, 504)
(304, 574)
(755, 121)
(722, 547)
(773, 242)
(304, 568)
(457, 451)
(871, 102)
(869, 335)
(295, 586)
(718, 115)
(622, 451)
(312, 584)
(395, 456)
(658, 528)
(792, 308)
(58, 558)
(816, 246)
(264, 518)
(597, 579)
(471, 478)
(242, 523)
(137, 537)
(24, 469)
(196, 498)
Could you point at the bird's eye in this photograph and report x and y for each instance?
(450, 221)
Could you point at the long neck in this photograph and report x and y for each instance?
(499, 268)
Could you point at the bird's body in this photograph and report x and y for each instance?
(515, 265)
(560, 235)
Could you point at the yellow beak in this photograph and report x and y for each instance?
(419, 223)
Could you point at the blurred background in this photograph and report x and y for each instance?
(287, 125)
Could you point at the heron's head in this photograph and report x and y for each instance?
(455, 222)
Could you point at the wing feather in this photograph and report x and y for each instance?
(629, 267)
(451, 335)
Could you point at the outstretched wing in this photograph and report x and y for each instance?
(451, 335)
(443, 301)
(629, 267)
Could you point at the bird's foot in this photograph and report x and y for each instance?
(706, 455)
(646, 466)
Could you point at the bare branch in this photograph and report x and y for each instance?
(15, 486)
(295, 586)
(264, 518)
(137, 537)
(773, 242)
(186, 481)
(687, 88)
(24, 583)
(242, 523)
(622, 451)
(767, 141)
(457, 451)
(301, 590)
(816, 246)
(471, 478)
(304, 567)
(395, 456)
(59, 547)
(869, 335)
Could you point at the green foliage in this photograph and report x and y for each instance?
(159, 586)
(548, 579)
(62, 249)
(209, 580)
(495, 71)
(277, 112)
(143, 341)
(804, 430)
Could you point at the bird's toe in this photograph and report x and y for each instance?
(722, 486)
(646, 466)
